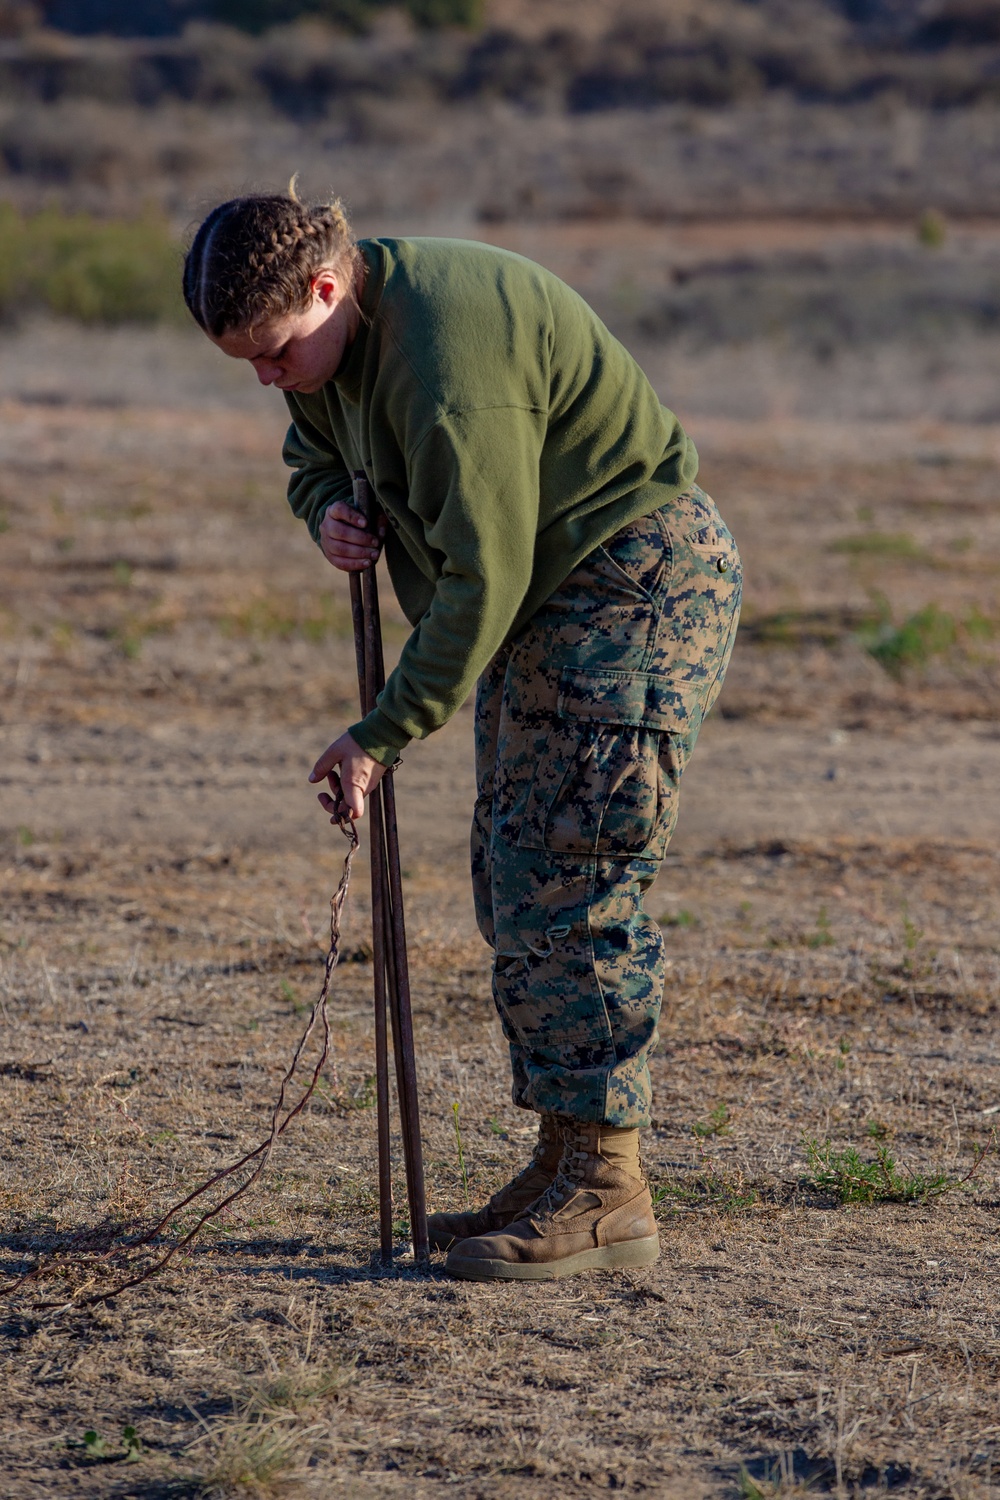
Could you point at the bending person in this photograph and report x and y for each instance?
(545, 537)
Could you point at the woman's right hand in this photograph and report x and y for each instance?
(344, 540)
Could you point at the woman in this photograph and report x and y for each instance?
(546, 537)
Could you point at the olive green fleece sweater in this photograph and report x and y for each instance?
(505, 433)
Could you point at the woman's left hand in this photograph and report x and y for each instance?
(359, 773)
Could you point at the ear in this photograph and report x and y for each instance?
(326, 287)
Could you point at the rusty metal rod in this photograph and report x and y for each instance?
(367, 694)
(399, 987)
(384, 843)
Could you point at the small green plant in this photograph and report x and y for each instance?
(461, 1153)
(96, 1447)
(927, 633)
(822, 937)
(850, 1179)
(25, 837)
(890, 545)
(682, 918)
(913, 936)
(291, 994)
(932, 229)
(132, 632)
(778, 1481)
(716, 1123)
(282, 617)
(713, 1187)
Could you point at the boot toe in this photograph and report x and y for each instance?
(445, 1230)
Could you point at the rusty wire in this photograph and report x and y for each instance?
(261, 1154)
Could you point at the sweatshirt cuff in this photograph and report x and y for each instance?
(379, 737)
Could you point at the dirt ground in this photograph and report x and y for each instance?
(173, 654)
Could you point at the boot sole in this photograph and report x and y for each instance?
(623, 1256)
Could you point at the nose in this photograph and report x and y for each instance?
(267, 374)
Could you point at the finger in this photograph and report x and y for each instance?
(354, 798)
(341, 550)
(323, 769)
(345, 533)
(344, 512)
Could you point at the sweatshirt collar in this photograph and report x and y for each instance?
(347, 376)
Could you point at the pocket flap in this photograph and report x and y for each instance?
(648, 700)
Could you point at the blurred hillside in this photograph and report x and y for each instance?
(545, 111)
(592, 136)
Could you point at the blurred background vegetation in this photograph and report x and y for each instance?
(590, 134)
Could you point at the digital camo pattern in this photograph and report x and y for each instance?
(584, 724)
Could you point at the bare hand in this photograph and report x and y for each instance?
(359, 773)
(346, 542)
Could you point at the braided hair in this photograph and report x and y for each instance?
(254, 259)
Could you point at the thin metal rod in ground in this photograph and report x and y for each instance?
(395, 948)
(380, 919)
(409, 1101)
(399, 984)
(366, 693)
(384, 833)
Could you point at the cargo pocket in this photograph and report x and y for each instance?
(599, 786)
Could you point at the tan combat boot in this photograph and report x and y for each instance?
(596, 1216)
(511, 1201)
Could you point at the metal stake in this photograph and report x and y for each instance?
(392, 984)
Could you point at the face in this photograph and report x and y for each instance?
(300, 351)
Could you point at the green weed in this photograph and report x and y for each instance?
(850, 1179)
(682, 918)
(822, 937)
(129, 1446)
(131, 634)
(927, 633)
(713, 1187)
(291, 994)
(716, 1123)
(282, 618)
(779, 1480)
(912, 937)
(461, 1153)
(361, 1096)
(932, 229)
(898, 545)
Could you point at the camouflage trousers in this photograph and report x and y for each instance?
(584, 724)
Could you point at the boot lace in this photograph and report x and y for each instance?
(568, 1178)
(550, 1129)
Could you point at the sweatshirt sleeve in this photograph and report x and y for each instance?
(474, 486)
(319, 476)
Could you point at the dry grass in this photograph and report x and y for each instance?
(164, 879)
